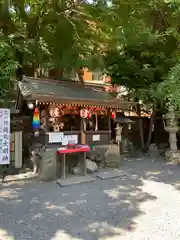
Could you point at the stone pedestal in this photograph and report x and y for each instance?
(48, 165)
(172, 154)
(153, 151)
(113, 156)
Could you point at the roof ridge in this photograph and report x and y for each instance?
(68, 81)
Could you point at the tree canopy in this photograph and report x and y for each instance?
(137, 42)
(53, 34)
(147, 49)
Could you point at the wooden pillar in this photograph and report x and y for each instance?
(18, 149)
(83, 135)
(109, 123)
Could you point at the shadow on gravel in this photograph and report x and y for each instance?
(155, 169)
(99, 210)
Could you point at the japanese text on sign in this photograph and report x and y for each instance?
(4, 136)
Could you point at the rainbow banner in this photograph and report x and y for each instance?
(36, 119)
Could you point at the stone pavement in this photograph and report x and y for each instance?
(142, 205)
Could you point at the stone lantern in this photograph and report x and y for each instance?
(171, 126)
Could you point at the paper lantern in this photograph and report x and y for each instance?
(30, 106)
(54, 112)
(84, 113)
(89, 114)
(70, 107)
(36, 119)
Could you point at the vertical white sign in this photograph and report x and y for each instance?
(4, 136)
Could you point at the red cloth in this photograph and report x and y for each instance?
(73, 150)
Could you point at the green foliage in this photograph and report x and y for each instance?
(7, 68)
(60, 34)
(169, 88)
(146, 47)
(140, 67)
(137, 41)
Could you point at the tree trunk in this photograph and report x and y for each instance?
(150, 131)
(80, 73)
(141, 133)
(141, 129)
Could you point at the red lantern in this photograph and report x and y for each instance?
(113, 115)
(70, 107)
(89, 114)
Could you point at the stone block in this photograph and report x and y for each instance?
(113, 157)
(98, 155)
(91, 166)
(153, 151)
(173, 156)
(72, 180)
(48, 165)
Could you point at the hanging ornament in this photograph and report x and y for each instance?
(54, 112)
(61, 125)
(113, 115)
(36, 119)
(89, 114)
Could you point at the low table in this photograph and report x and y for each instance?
(73, 149)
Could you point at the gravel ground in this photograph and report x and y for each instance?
(143, 205)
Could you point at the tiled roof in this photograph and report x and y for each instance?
(62, 92)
